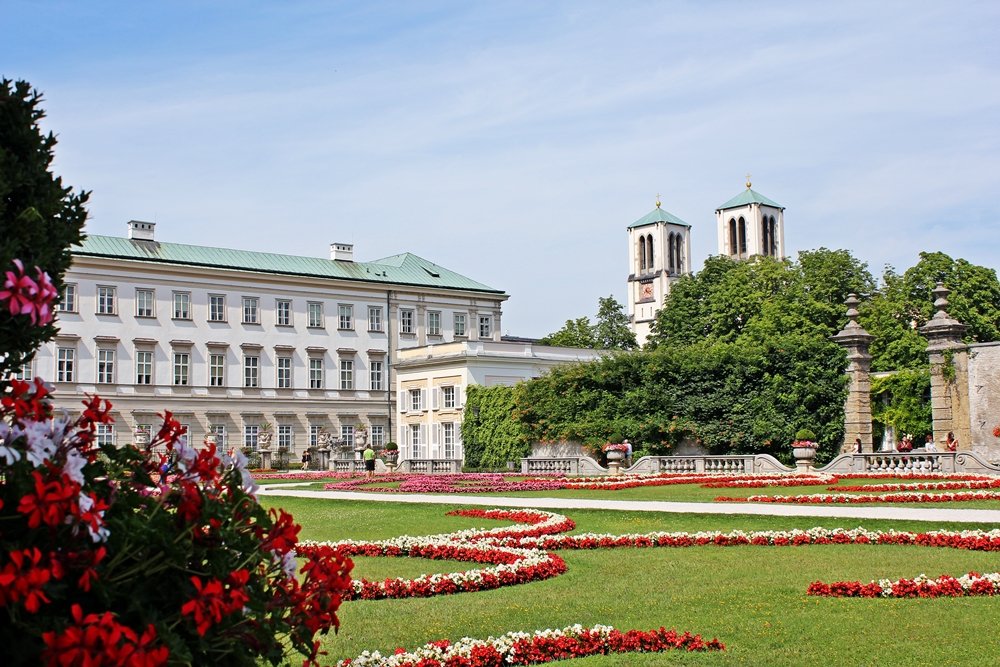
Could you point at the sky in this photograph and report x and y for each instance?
(514, 142)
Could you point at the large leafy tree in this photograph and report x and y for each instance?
(39, 217)
(610, 332)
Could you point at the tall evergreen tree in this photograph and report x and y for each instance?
(39, 217)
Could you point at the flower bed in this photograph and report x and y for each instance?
(845, 499)
(521, 648)
(971, 584)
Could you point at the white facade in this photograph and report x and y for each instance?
(432, 383)
(234, 348)
(751, 224)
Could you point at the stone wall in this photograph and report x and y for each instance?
(984, 399)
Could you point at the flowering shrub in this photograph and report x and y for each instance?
(105, 562)
(521, 648)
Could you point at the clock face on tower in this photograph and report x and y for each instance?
(646, 291)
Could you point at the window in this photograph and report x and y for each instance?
(217, 370)
(220, 435)
(106, 301)
(22, 372)
(406, 321)
(642, 253)
(459, 324)
(375, 318)
(347, 374)
(67, 298)
(144, 303)
(216, 308)
(251, 371)
(250, 435)
(105, 366)
(415, 440)
(315, 373)
(314, 435)
(283, 313)
(182, 368)
(251, 310)
(315, 310)
(345, 316)
(376, 375)
(415, 400)
(347, 435)
(105, 434)
(284, 366)
(182, 305)
(448, 435)
(434, 323)
(485, 326)
(143, 367)
(448, 397)
(378, 436)
(66, 360)
(285, 437)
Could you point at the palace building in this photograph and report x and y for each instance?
(233, 341)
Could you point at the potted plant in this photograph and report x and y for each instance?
(264, 435)
(804, 449)
(391, 452)
(615, 451)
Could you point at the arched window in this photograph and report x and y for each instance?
(774, 237)
(642, 253)
(732, 237)
(649, 251)
(743, 238)
(670, 252)
(676, 251)
(765, 235)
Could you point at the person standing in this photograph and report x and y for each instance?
(369, 457)
(628, 452)
(950, 442)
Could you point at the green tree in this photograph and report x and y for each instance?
(39, 217)
(575, 333)
(612, 331)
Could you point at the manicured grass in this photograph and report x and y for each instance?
(695, 493)
(751, 598)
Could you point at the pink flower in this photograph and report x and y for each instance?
(25, 296)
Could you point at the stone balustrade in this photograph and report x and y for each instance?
(430, 466)
(915, 462)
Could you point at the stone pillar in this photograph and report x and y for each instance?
(265, 459)
(324, 458)
(858, 407)
(949, 358)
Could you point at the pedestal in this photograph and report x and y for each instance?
(324, 458)
(615, 467)
(265, 459)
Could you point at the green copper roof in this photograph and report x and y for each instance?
(749, 196)
(655, 216)
(404, 269)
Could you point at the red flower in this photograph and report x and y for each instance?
(96, 640)
(216, 599)
(25, 296)
(51, 503)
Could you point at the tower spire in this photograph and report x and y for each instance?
(748, 180)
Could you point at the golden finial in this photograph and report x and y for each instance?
(657, 200)
(748, 180)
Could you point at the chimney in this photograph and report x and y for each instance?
(141, 231)
(342, 252)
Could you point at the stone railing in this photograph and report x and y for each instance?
(651, 465)
(912, 462)
(430, 466)
(565, 465)
(347, 465)
(736, 464)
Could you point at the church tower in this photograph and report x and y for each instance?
(751, 224)
(659, 253)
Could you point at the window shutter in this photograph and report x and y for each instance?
(402, 401)
(423, 400)
(459, 397)
(435, 398)
(423, 434)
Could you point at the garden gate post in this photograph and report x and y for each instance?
(949, 358)
(858, 406)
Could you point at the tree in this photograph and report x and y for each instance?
(575, 333)
(612, 331)
(39, 217)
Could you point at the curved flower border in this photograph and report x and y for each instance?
(522, 648)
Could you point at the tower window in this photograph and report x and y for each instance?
(649, 251)
(732, 237)
(642, 253)
(743, 238)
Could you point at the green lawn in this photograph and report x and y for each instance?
(751, 598)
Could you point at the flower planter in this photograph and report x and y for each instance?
(615, 455)
(804, 457)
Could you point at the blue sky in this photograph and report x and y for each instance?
(514, 142)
